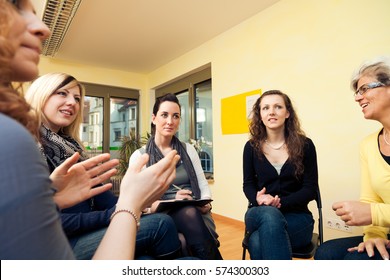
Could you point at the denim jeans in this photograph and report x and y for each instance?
(157, 237)
(336, 249)
(274, 234)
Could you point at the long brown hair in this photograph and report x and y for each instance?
(12, 102)
(293, 134)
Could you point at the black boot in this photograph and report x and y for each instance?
(207, 250)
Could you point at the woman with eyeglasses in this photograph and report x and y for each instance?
(371, 84)
(29, 198)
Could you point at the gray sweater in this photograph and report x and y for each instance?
(29, 219)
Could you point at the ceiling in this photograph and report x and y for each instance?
(141, 35)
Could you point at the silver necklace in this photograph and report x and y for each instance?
(384, 137)
(278, 148)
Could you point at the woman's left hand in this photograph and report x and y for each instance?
(369, 246)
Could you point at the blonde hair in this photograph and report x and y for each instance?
(43, 87)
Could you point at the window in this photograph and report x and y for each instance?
(109, 113)
(132, 114)
(195, 96)
(205, 161)
(93, 109)
(117, 135)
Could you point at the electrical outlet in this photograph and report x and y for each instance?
(338, 225)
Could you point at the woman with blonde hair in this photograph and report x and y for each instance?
(58, 100)
(42, 88)
(29, 198)
(66, 121)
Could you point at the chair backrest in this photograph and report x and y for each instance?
(320, 221)
(317, 238)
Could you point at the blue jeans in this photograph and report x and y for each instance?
(156, 238)
(275, 234)
(336, 249)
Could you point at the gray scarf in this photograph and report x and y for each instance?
(155, 155)
(58, 147)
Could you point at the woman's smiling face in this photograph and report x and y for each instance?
(62, 107)
(374, 101)
(26, 35)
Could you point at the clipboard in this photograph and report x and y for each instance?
(166, 205)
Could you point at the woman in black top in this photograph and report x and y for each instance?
(280, 179)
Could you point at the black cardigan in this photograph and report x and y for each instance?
(295, 193)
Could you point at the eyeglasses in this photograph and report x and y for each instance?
(362, 90)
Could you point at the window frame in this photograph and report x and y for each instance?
(188, 83)
(107, 92)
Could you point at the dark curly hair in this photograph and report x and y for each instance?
(294, 135)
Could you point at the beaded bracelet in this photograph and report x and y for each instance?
(127, 211)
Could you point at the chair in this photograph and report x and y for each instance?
(305, 252)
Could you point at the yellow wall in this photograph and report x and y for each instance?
(308, 49)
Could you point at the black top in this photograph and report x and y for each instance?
(295, 193)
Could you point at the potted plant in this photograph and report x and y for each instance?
(129, 144)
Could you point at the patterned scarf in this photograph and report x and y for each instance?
(58, 147)
(155, 155)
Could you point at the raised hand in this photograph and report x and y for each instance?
(141, 187)
(75, 181)
(353, 213)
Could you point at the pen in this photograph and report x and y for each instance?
(178, 188)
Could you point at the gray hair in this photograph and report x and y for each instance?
(378, 68)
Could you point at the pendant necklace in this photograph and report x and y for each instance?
(384, 137)
(278, 148)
